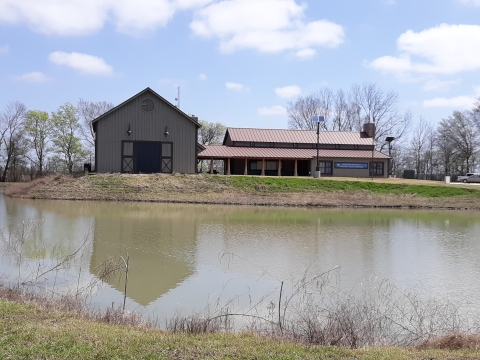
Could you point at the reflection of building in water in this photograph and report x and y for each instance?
(158, 240)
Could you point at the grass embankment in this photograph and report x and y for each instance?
(253, 190)
(35, 330)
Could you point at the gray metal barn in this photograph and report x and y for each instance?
(146, 134)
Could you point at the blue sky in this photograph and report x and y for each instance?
(240, 61)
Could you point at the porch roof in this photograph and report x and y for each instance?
(223, 152)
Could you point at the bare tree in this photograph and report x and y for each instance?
(419, 145)
(11, 134)
(348, 112)
(89, 111)
(465, 137)
(301, 112)
(380, 108)
(38, 127)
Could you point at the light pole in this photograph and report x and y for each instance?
(389, 140)
(318, 120)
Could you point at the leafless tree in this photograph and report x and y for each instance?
(419, 146)
(89, 111)
(465, 137)
(11, 134)
(348, 112)
(381, 108)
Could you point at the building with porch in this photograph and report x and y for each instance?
(281, 152)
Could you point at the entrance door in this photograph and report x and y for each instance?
(147, 157)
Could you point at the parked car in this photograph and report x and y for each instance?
(473, 179)
(465, 177)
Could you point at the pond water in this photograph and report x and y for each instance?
(187, 257)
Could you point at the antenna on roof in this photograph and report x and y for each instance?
(177, 99)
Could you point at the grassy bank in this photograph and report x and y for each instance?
(253, 190)
(36, 330)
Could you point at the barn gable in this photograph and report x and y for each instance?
(145, 134)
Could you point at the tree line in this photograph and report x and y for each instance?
(34, 142)
(448, 148)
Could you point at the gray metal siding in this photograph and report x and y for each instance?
(145, 126)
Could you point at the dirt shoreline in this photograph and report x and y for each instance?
(197, 189)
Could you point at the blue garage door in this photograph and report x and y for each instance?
(147, 157)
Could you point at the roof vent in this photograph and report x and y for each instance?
(147, 105)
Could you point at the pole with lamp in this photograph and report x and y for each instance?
(318, 120)
(389, 140)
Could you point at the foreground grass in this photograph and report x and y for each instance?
(253, 190)
(27, 331)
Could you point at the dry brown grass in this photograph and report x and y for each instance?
(453, 342)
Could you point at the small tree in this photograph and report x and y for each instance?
(38, 127)
(211, 133)
(64, 135)
(11, 134)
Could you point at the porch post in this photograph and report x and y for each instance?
(263, 167)
(211, 166)
(228, 166)
(295, 173)
(245, 172)
(279, 168)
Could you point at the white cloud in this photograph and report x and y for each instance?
(265, 25)
(445, 49)
(305, 53)
(84, 17)
(438, 85)
(470, 2)
(288, 92)
(202, 77)
(274, 110)
(84, 63)
(34, 77)
(236, 87)
(4, 49)
(457, 102)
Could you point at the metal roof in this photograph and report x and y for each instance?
(222, 152)
(298, 136)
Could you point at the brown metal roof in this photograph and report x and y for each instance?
(222, 152)
(298, 136)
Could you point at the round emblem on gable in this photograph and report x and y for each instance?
(147, 105)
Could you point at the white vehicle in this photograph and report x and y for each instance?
(464, 177)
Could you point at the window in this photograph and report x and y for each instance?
(325, 167)
(271, 165)
(295, 145)
(356, 147)
(256, 165)
(271, 144)
(376, 168)
(337, 146)
(252, 144)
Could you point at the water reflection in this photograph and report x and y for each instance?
(180, 255)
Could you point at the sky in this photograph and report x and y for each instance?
(240, 62)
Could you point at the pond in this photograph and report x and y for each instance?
(189, 257)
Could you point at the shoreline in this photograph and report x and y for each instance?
(251, 191)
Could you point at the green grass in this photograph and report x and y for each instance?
(275, 185)
(28, 332)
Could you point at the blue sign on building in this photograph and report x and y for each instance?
(342, 165)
